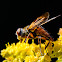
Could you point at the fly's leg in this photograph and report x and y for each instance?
(27, 37)
(47, 44)
(39, 41)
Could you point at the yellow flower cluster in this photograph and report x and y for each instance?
(25, 52)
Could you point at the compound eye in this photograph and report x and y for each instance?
(18, 32)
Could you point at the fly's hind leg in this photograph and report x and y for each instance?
(47, 44)
(39, 41)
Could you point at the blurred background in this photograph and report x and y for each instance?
(17, 14)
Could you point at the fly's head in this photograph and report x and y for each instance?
(21, 32)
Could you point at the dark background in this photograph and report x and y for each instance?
(18, 13)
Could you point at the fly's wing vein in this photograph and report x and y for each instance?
(50, 19)
(39, 20)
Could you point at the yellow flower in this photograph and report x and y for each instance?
(25, 52)
(60, 31)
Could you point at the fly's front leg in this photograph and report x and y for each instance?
(39, 41)
(27, 37)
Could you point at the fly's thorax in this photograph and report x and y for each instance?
(26, 31)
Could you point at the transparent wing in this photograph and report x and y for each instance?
(39, 20)
(45, 15)
(50, 19)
